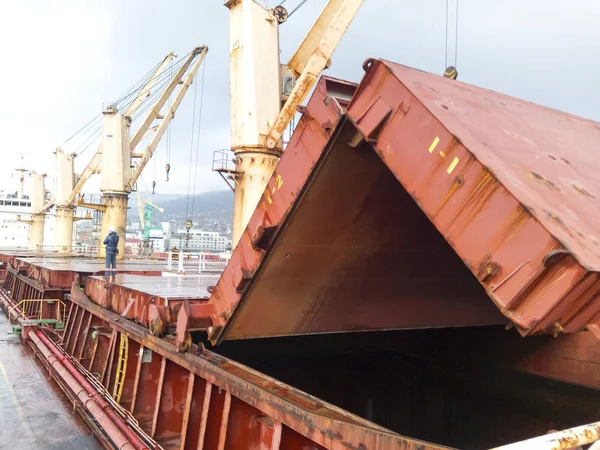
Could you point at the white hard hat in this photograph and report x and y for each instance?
(111, 229)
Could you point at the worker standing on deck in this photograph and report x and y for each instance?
(111, 241)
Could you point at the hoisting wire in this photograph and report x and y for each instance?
(125, 100)
(296, 8)
(83, 128)
(154, 174)
(446, 48)
(456, 38)
(88, 133)
(135, 86)
(198, 137)
(168, 152)
(450, 70)
(188, 222)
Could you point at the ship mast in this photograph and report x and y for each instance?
(21, 171)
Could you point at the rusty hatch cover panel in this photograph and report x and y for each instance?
(510, 184)
(369, 214)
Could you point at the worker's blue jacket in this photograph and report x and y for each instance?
(111, 242)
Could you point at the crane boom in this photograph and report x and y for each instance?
(199, 53)
(95, 164)
(154, 112)
(145, 91)
(312, 57)
(92, 168)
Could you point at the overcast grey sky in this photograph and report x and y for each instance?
(64, 59)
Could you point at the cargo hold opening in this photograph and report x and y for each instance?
(460, 387)
(360, 301)
(357, 253)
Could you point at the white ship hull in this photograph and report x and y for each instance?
(15, 234)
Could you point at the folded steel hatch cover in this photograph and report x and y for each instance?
(372, 208)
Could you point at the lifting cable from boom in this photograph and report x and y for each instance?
(87, 135)
(168, 152)
(451, 71)
(178, 79)
(189, 213)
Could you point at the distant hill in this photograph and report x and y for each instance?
(217, 204)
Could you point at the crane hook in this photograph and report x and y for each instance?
(168, 169)
(451, 73)
(153, 186)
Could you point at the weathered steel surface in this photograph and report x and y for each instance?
(338, 245)
(425, 179)
(512, 186)
(22, 287)
(165, 287)
(188, 400)
(314, 130)
(9, 258)
(147, 299)
(61, 272)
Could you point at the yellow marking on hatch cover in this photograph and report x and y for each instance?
(442, 154)
(434, 144)
(452, 165)
(278, 183)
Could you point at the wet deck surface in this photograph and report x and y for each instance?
(34, 413)
(82, 265)
(167, 287)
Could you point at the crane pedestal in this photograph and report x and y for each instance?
(115, 214)
(36, 231)
(63, 230)
(253, 168)
(38, 196)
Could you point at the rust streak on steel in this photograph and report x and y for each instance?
(322, 424)
(528, 227)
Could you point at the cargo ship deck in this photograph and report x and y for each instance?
(404, 283)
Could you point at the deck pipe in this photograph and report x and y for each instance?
(132, 437)
(11, 308)
(111, 429)
(572, 438)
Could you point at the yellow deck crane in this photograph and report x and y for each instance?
(258, 118)
(117, 151)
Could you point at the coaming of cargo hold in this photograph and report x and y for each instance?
(414, 207)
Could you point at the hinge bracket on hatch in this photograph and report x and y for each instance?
(373, 119)
(261, 237)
